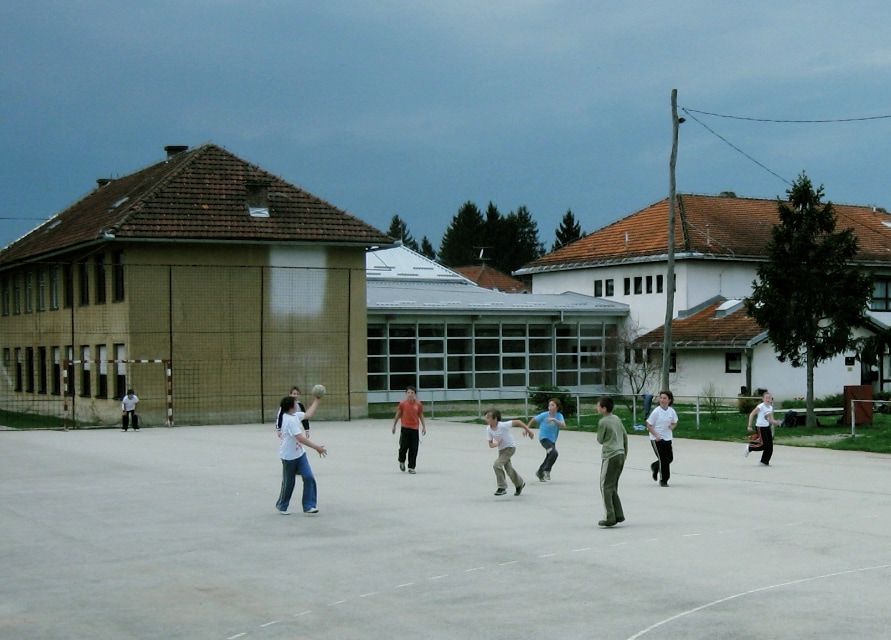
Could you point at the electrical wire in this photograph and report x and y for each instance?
(823, 121)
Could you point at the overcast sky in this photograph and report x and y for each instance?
(412, 108)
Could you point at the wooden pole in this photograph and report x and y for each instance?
(669, 275)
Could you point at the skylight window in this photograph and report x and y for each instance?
(257, 199)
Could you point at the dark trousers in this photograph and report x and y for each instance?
(409, 439)
(550, 455)
(125, 420)
(766, 446)
(610, 470)
(664, 458)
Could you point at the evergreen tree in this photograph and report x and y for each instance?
(427, 249)
(808, 295)
(399, 230)
(463, 234)
(568, 231)
(521, 236)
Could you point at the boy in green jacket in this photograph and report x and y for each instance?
(611, 434)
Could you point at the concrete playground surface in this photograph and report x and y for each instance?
(172, 533)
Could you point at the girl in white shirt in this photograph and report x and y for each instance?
(763, 415)
(661, 424)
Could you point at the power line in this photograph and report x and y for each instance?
(733, 146)
(824, 121)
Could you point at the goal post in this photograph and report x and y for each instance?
(67, 363)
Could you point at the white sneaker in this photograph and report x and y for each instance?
(747, 451)
(284, 512)
(311, 512)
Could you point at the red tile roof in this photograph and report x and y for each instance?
(486, 276)
(707, 328)
(717, 226)
(195, 195)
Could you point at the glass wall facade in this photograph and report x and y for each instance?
(453, 356)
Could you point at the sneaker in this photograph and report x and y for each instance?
(663, 484)
(655, 469)
(547, 475)
(501, 491)
(606, 523)
(412, 471)
(747, 451)
(520, 489)
(766, 464)
(311, 511)
(137, 429)
(540, 475)
(284, 512)
(622, 519)
(123, 429)
(402, 466)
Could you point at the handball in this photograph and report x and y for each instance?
(318, 391)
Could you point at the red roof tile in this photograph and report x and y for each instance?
(195, 195)
(486, 276)
(707, 328)
(718, 226)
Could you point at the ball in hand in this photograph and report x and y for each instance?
(318, 390)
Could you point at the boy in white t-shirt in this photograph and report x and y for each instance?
(499, 435)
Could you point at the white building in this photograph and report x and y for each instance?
(719, 243)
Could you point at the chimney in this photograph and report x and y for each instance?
(102, 181)
(175, 149)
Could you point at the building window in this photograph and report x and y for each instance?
(68, 286)
(257, 199)
(54, 287)
(41, 369)
(85, 386)
(733, 362)
(609, 288)
(29, 369)
(102, 376)
(598, 288)
(673, 362)
(41, 289)
(638, 286)
(29, 291)
(659, 284)
(117, 276)
(83, 276)
(69, 371)
(99, 272)
(627, 286)
(881, 294)
(6, 295)
(18, 370)
(16, 294)
(649, 284)
(57, 372)
(120, 367)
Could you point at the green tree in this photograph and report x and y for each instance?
(568, 231)
(399, 230)
(808, 295)
(522, 243)
(461, 240)
(427, 249)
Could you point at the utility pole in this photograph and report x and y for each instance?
(669, 275)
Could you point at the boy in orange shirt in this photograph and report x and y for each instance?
(411, 413)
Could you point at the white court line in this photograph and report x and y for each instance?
(585, 549)
(302, 613)
(406, 584)
(474, 569)
(269, 624)
(334, 604)
(372, 593)
(690, 535)
(502, 564)
(751, 591)
(445, 575)
(547, 555)
(237, 635)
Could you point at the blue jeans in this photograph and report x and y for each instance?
(550, 455)
(290, 470)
